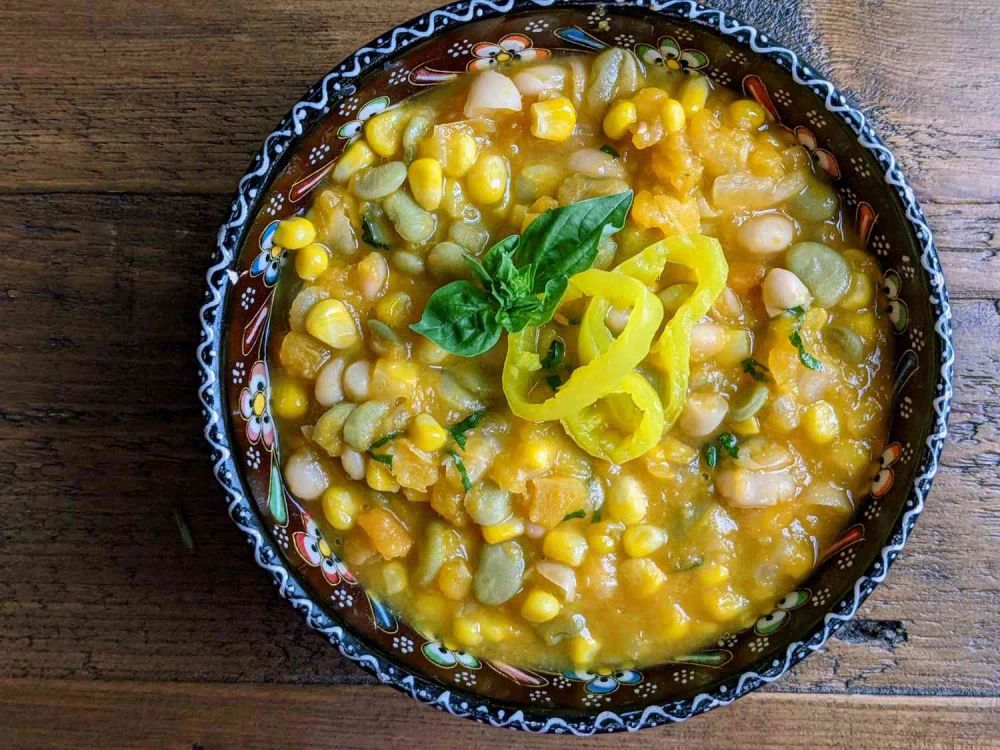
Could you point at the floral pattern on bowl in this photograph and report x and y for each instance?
(246, 266)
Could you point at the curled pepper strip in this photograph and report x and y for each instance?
(604, 372)
(672, 353)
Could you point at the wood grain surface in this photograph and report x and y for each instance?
(124, 127)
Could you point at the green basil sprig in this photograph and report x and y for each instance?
(523, 277)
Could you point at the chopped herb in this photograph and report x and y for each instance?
(372, 233)
(711, 455)
(691, 565)
(575, 514)
(180, 518)
(796, 339)
(460, 466)
(553, 381)
(596, 517)
(459, 429)
(610, 151)
(756, 370)
(383, 458)
(728, 442)
(554, 357)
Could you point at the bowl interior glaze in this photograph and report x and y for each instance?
(246, 266)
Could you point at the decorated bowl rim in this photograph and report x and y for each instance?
(211, 361)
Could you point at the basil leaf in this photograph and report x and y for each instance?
(372, 233)
(382, 458)
(711, 455)
(610, 151)
(459, 429)
(575, 514)
(554, 357)
(728, 441)
(796, 339)
(563, 241)
(551, 297)
(462, 472)
(755, 369)
(461, 319)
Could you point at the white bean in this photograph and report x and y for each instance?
(305, 476)
(371, 275)
(707, 340)
(540, 78)
(353, 463)
(357, 379)
(617, 319)
(766, 234)
(742, 488)
(783, 290)
(703, 413)
(492, 91)
(328, 389)
(593, 162)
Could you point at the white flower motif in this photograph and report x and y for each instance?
(860, 166)
(253, 457)
(536, 25)
(917, 339)
(684, 676)
(816, 118)
(539, 696)
(465, 678)
(849, 196)
(625, 40)
(460, 49)
(782, 97)
(720, 76)
(274, 205)
(684, 34)
(318, 153)
(599, 17)
(872, 510)
(403, 644)
(880, 244)
(561, 682)
(248, 297)
(280, 535)
(239, 373)
(906, 407)
(846, 558)
(348, 105)
(907, 269)
(398, 76)
(737, 56)
(821, 598)
(591, 700)
(645, 689)
(343, 598)
(906, 454)
(757, 645)
(729, 640)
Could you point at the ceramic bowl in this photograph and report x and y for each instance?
(482, 34)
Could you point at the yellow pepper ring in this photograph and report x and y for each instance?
(601, 375)
(589, 430)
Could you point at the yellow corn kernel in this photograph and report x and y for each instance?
(676, 623)
(582, 649)
(394, 577)
(427, 183)
(385, 130)
(340, 507)
(394, 309)
(431, 607)
(627, 501)
(553, 119)
(694, 93)
(495, 629)
(488, 178)
(311, 261)
(765, 161)
(821, 423)
(453, 202)
(294, 233)
(517, 214)
(860, 294)
(565, 546)
(674, 118)
(540, 606)
(289, 400)
(379, 477)
(643, 539)
(503, 531)
(603, 536)
(528, 218)
(620, 117)
(543, 204)
(746, 114)
(467, 632)
(747, 427)
(427, 434)
(430, 353)
(356, 157)
(538, 453)
(460, 154)
(712, 574)
(395, 378)
(331, 322)
(724, 604)
(641, 577)
(455, 579)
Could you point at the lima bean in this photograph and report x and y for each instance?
(487, 504)
(501, 569)
(823, 270)
(846, 342)
(748, 402)
(362, 424)
(378, 182)
(412, 223)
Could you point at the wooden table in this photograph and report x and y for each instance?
(124, 126)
